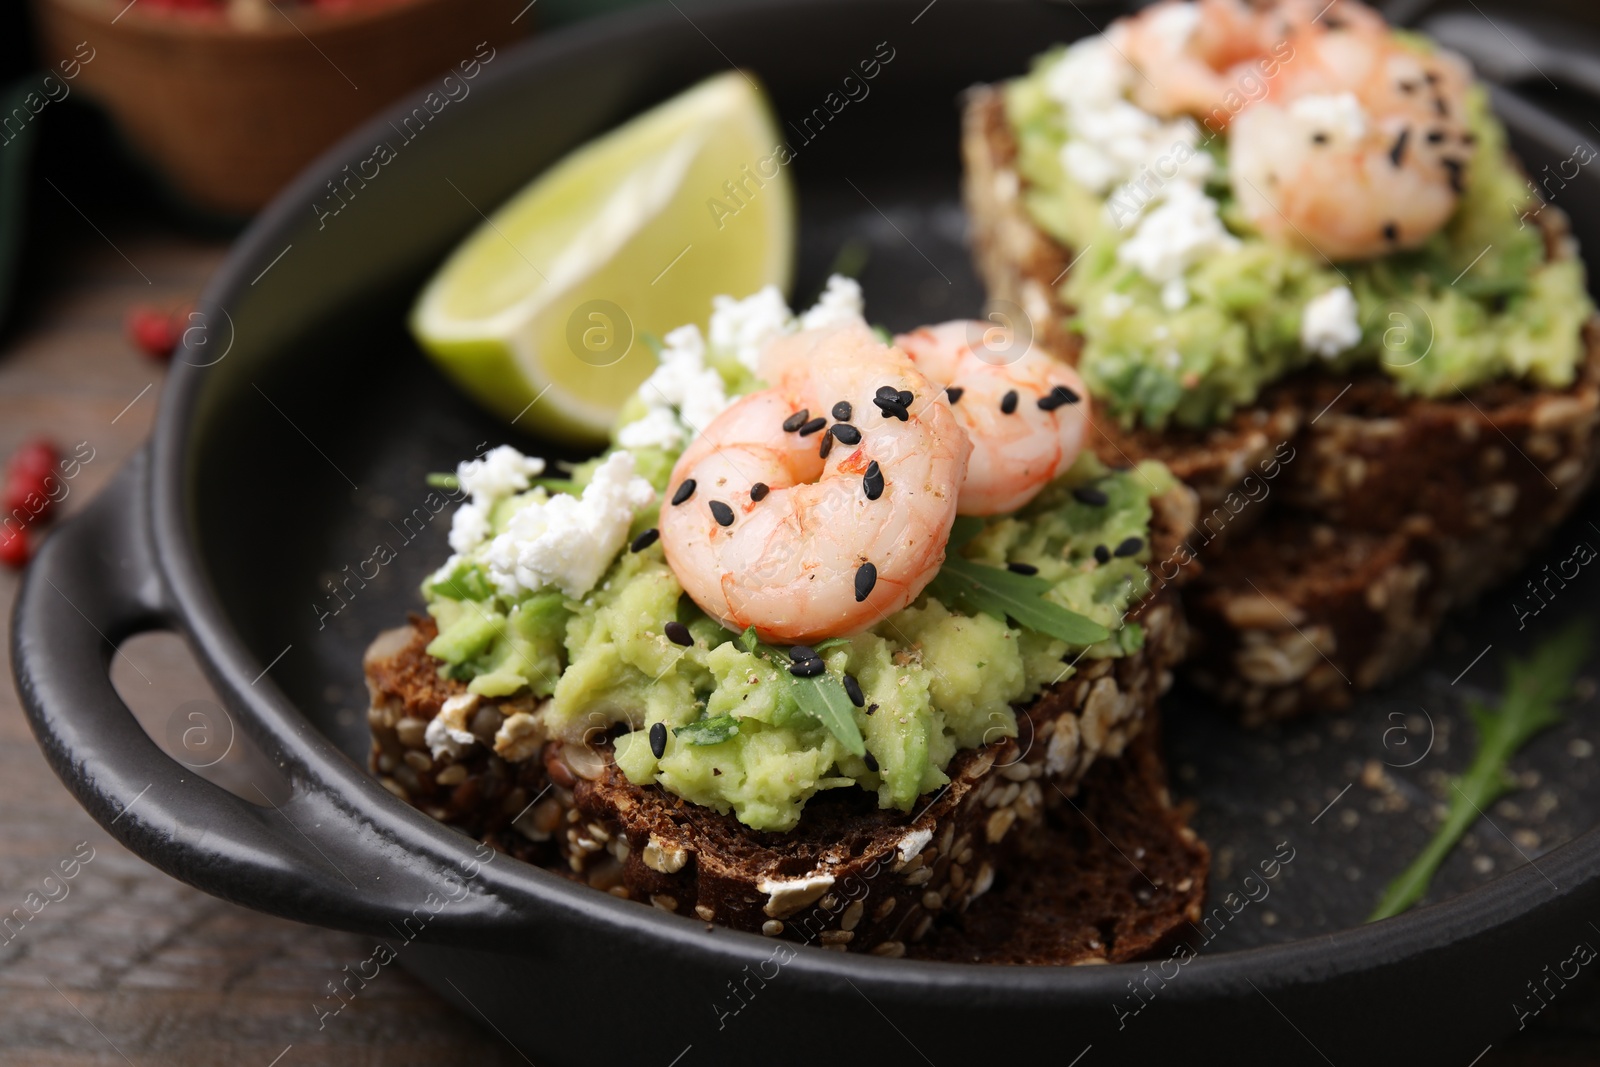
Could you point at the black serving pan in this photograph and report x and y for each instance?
(294, 435)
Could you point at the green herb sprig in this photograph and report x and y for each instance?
(822, 697)
(977, 587)
(712, 731)
(1533, 688)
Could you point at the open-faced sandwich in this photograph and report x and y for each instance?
(815, 648)
(1290, 254)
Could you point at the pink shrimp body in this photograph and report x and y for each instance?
(832, 545)
(1343, 139)
(1208, 58)
(1017, 453)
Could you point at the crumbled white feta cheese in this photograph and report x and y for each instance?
(447, 732)
(1330, 324)
(1115, 305)
(659, 428)
(1180, 232)
(743, 327)
(1152, 172)
(468, 527)
(567, 542)
(1339, 116)
(502, 472)
(1089, 165)
(1091, 71)
(685, 393)
(840, 302)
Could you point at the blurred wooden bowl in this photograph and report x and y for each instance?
(227, 111)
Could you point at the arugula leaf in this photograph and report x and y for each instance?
(712, 731)
(1533, 687)
(822, 697)
(965, 528)
(977, 587)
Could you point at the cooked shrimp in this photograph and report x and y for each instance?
(818, 506)
(1353, 144)
(1025, 413)
(1327, 173)
(1213, 57)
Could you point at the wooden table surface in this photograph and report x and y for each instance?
(132, 967)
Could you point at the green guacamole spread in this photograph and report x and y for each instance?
(1479, 300)
(934, 681)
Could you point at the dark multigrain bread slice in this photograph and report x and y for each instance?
(850, 875)
(1067, 896)
(1378, 512)
(480, 791)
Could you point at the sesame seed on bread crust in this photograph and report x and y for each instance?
(1383, 512)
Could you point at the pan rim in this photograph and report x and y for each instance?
(1478, 913)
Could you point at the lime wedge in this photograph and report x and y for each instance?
(631, 234)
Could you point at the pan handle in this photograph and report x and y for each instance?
(94, 583)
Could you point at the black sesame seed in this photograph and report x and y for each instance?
(871, 708)
(1435, 136)
(846, 433)
(1433, 79)
(1332, 22)
(1085, 494)
(1129, 547)
(1397, 153)
(1102, 554)
(1408, 87)
(658, 739)
(1454, 168)
(1319, 138)
(813, 426)
(645, 540)
(1008, 403)
(872, 481)
(871, 761)
(866, 578)
(953, 394)
(1441, 107)
(1391, 232)
(852, 689)
(722, 513)
(797, 420)
(842, 411)
(887, 392)
(1060, 396)
(759, 491)
(807, 668)
(1469, 138)
(678, 633)
(802, 653)
(827, 445)
(1022, 568)
(685, 491)
(906, 397)
(890, 408)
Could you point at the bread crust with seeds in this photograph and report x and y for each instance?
(850, 876)
(1384, 511)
